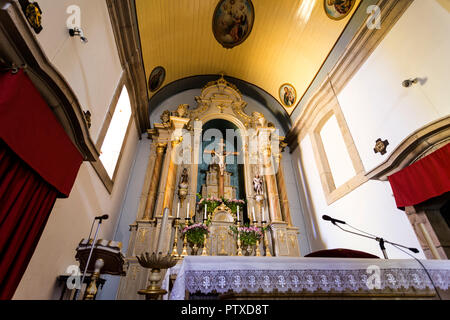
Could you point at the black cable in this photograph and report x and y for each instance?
(426, 271)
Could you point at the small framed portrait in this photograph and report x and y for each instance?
(156, 78)
(233, 22)
(338, 9)
(288, 95)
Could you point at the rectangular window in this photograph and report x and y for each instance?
(112, 144)
(336, 152)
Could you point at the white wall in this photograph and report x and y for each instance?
(375, 105)
(93, 69)
(371, 208)
(70, 221)
(374, 102)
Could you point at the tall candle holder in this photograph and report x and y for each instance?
(204, 252)
(258, 251)
(175, 240)
(184, 253)
(239, 253)
(266, 241)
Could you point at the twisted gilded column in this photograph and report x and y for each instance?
(284, 202)
(154, 182)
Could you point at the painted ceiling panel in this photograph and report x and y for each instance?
(289, 42)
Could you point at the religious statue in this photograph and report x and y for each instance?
(183, 185)
(182, 110)
(219, 158)
(257, 185)
(165, 116)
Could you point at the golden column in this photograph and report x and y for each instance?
(284, 203)
(271, 184)
(171, 178)
(154, 182)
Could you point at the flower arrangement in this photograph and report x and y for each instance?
(248, 235)
(234, 203)
(213, 202)
(195, 233)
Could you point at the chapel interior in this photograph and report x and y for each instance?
(224, 149)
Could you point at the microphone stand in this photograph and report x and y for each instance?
(381, 241)
(90, 253)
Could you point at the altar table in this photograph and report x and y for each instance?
(285, 275)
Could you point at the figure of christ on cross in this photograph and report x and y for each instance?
(219, 158)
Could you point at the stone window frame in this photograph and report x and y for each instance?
(331, 192)
(107, 181)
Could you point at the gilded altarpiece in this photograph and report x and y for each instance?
(175, 154)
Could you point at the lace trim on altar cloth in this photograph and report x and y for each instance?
(222, 281)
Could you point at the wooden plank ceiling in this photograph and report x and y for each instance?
(288, 44)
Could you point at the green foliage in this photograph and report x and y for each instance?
(248, 235)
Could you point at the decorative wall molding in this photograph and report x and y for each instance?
(19, 45)
(126, 33)
(416, 146)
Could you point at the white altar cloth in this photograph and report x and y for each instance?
(222, 274)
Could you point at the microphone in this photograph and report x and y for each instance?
(333, 221)
(103, 217)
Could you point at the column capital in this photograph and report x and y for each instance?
(161, 147)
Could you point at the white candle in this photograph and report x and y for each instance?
(253, 211)
(205, 211)
(238, 213)
(263, 218)
(178, 210)
(187, 211)
(162, 231)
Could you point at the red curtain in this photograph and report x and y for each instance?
(425, 179)
(25, 203)
(38, 163)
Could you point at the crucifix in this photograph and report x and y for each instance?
(219, 158)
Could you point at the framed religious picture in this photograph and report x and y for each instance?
(156, 78)
(338, 9)
(233, 22)
(288, 95)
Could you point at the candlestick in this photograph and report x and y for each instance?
(258, 251)
(184, 253)
(187, 212)
(204, 252)
(239, 240)
(162, 230)
(266, 242)
(175, 240)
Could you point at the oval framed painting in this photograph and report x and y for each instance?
(338, 9)
(156, 78)
(288, 95)
(233, 22)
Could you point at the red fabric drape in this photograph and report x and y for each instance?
(38, 163)
(25, 204)
(31, 130)
(425, 179)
